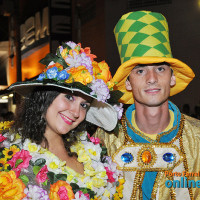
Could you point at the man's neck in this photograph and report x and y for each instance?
(152, 120)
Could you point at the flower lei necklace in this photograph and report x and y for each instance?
(28, 171)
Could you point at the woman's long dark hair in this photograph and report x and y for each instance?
(30, 117)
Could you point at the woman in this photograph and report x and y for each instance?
(51, 157)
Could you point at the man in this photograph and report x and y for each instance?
(157, 147)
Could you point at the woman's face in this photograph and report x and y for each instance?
(66, 112)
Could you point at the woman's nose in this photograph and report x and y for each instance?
(75, 110)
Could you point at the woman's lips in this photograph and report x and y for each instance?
(66, 119)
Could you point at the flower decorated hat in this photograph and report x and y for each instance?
(142, 37)
(73, 68)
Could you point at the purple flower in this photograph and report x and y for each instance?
(35, 192)
(63, 75)
(41, 77)
(71, 44)
(52, 72)
(100, 89)
(119, 108)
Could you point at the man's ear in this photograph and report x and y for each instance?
(128, 85)
(173, 80)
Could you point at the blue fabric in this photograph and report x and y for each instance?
(149, 178)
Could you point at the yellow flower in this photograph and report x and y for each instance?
(6, 125)
(96, 68)
(11, 187)
(110, 84)
(79, 74)
(94, 153)
(61, 187)
(106, 193)
(3, 164)
(89, 170)
(9, 153)
(53, 165)
(83, 156)
(64, 53)
(105, 73)
(32, 147)
(97, 182)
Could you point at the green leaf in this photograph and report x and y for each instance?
(40, 162)
(19, 161)
(74, 186)
(51, 177)
(64, 45)
(31, 163)
(45, 183)
(36, 169)
(62, 177)
(115, 96)
(24, 179)
(48, 58)
(62, 62)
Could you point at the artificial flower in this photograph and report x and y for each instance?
(34, 192)
(42, 175)
(61, 191)
(2, 138)
(11, 187)
(3, 164)
(100, 89)
(52, 73)
(9, 153)
(119, 108)
(105, 73)
(23, 157)
(79, 74)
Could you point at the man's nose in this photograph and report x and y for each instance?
(151, 77)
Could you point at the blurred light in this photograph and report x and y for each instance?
(3, 100)
(10, 95)
(4, 97)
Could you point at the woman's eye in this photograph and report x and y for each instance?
(69, 97)
(85, 106)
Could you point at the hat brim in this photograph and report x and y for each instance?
(99, 113)
(182, 72)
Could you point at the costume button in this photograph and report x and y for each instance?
(146, 157)
(168, 157)
(127, 157)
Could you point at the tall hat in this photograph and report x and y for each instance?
(143, 38)
(73, 68)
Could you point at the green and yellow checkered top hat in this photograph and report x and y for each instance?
(143, 38)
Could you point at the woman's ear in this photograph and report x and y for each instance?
(128, 85)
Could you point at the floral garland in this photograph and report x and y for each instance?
(73, 64)
(28, 171)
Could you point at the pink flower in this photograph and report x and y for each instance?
(23, 156)
(2, 138)
(81, 194)
(62, 192)
(110, 175)
(42, 175)
(93, 139)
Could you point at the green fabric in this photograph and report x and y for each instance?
(142, 33)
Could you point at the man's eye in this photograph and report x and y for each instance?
(140, 71)
(160, 69)
(69, 97)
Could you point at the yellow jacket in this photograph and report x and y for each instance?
(187, 147)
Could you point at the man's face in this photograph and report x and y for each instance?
(151, 84)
